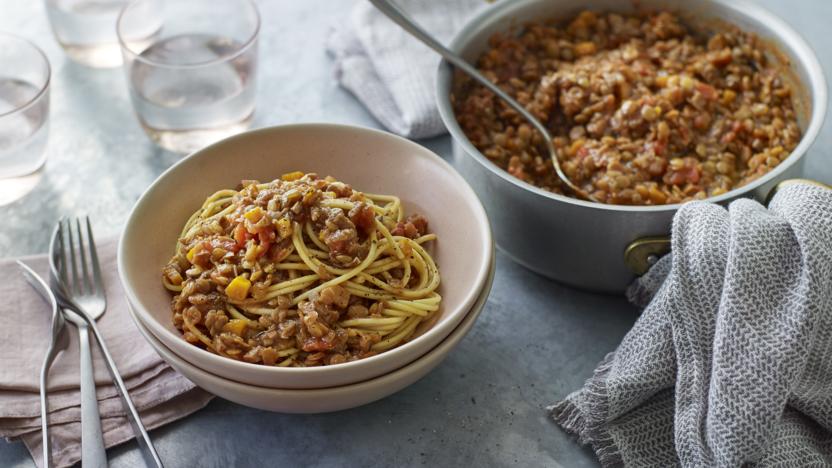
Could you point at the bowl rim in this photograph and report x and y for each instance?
(803, 53)
(487, 254)
(451, 341)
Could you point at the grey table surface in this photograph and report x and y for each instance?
(535, 342)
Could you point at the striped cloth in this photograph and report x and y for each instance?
(731, 361)
(390, 71)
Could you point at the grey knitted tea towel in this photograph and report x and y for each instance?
(731, 361)
(390, 71)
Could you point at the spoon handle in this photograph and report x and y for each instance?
(41, 288)
(44, 404)
(399, 17)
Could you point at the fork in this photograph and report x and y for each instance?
(56, 344)
(88, 292)
(81, 291)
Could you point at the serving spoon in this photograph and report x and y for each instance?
(399, 17)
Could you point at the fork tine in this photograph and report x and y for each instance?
(76, 284)
(62, 251)
(84, 283)
(96, 267)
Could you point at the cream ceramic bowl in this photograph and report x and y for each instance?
(321, 400)
(369, 160)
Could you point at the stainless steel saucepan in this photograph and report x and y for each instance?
(582, 243)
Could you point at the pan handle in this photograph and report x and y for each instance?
(642, 253)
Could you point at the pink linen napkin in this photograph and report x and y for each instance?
(160, 394)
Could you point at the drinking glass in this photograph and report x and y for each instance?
(190, 68)
(24, 106)
(86, 29)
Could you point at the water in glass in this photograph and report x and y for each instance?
(86, 29)
(190, 91)
(23, 132)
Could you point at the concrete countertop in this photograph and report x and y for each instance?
(535, 342)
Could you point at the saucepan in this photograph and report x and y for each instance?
(591, 245)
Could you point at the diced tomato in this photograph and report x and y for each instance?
(708, 91)
(317, 344)
(685, 175)
(276, 254)
(224, 243)
(693, 175)
(659, 148)
(266, 236)
(241, 235)
(363, 216)
(339, 246)
(684, 133)
(419, 222)
(263, 248)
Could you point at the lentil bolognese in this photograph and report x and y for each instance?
(643, 109)
(301, 271)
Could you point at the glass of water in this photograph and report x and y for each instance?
(24, 106)
(191, 68)
(86, 30)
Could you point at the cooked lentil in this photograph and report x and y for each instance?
(643, 110)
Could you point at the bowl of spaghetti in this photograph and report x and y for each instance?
(305, 256)
(323, 400)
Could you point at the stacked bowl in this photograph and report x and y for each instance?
(369, 160)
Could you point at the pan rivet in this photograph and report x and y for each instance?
(643, 253)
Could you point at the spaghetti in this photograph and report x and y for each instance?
(301, 271)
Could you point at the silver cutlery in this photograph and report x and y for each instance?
(55, 345)
(399, 17)
(68, 282)
(88, 291)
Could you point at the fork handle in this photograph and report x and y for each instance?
(93, 453)
(151, 458)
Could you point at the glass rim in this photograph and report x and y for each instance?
(43, 88)
(239, 51)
